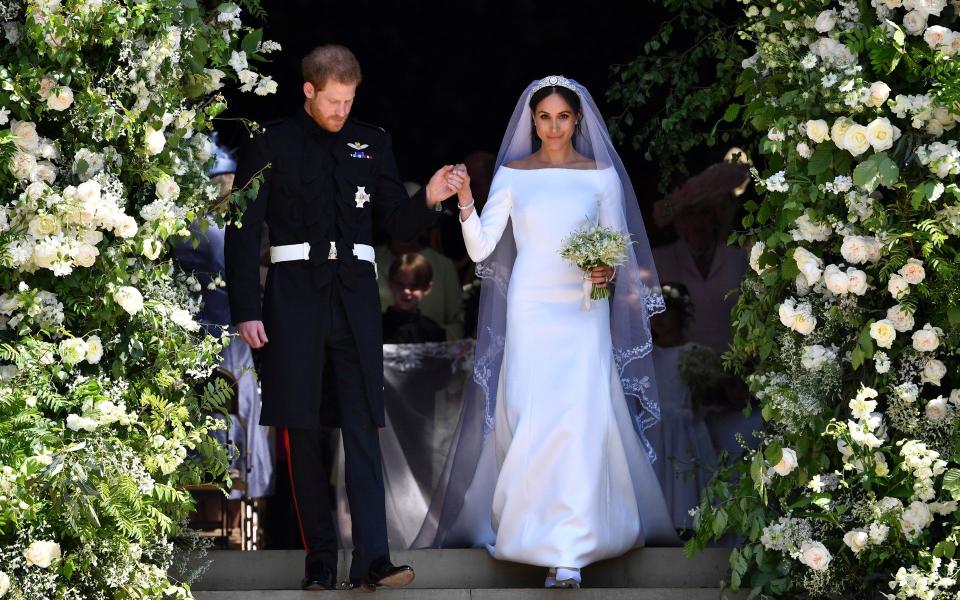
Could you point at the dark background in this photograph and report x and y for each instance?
(444, 77)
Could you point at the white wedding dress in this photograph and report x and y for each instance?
(574, 485)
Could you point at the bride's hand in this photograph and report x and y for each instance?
(601, 276)
(464, 194)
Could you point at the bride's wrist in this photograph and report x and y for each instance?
(464, 203)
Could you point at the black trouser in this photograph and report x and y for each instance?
(361, 444)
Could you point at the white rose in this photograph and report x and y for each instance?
(25, 136)
(933, 372)
(154, 141)
(880, 134)
(788, 462)
(937, 409)
(755, 252)
(167, 188)
(879, 93)
(818, 130)
(855, 249)
(856, 281)
(787, 310)
(815, 555)
(856, 540)
(42, 553)
(855, 139)
(937, 36)
(43, 225)
(902, 320)
(72, 350)
(809, 264)
(914, 22)
(934, 128)
(88, 192)
(883, 332)
(913, 271)
(129, 298)
(926, 339)
(898, 286)
(44, 171)
(943, 116)
(23, 165)
(836, 280)
(152, 248)
(915, 519)
(126, 226)
(826, 21)
(61, 100)
(94, 349)
(803, 320)
(839, 131)
(86, 255)
(927, 7)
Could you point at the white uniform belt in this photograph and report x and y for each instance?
(302, 252)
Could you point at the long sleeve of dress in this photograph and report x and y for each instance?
(481, 234)
(611, 203)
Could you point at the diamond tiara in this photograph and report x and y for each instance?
(553, 81)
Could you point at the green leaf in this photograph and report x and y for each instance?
(856, 357)
(732, 112)
(820, 161)
(866, 174)
(953, 313)
(951, 483)
(251, 41)
(773, 453)
(887, 170)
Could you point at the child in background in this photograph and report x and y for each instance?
(685, 448)
(411, 279)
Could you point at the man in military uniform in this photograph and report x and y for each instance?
(327, 179)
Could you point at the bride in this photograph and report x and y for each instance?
(566, 447)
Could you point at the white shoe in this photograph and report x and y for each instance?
(562, 578)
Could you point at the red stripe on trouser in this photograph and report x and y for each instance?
(293, 488)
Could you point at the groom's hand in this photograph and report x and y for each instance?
(444, 183)
(252, 333)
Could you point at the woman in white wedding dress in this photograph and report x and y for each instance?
(574, 482)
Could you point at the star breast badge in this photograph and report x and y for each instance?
(361, 197)
(358, 150)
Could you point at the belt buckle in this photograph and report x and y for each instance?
(332, 254)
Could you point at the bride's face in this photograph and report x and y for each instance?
(555, 121)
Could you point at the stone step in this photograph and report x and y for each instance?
(483, 594)
(470, 570)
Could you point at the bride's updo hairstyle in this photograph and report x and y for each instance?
(571, 97)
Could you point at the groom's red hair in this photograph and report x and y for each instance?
(331, 61)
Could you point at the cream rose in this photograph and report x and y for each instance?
(856, 141)
(803, 320)
(25, 135)
(839, 131)
(933, 372)
(902, 320)
(788, 462)
(126, 226)
(836, 280)
(898, 286)
(129, 298)
(809, 264)
(167, 188)
(879, 93)
(883, 332)
(43, 225)
(86, 255)
(818, 130)
(815, 555)
(914, 22)
(61, 99)
(880, 134)
(913, 271)
(46, 87)
(42, 553)
(926, 339)
(44, 171)
(937, 36)
(23, 165)
(937, 409)
(94, 349)
(88, 192)
(154, 141)
(856, 281)
(856, 540)
(855, 249)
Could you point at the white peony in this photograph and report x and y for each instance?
(933, 372)
(88, 192)
(818, 130)
(154, 141)
(880, 134)
(856, 540)
(856, 281)
(901, 318)
(913, 271)
(937, 409)
(856, 141)
(915, 22)
(94, 349)
(61, 100)
(72, 350)
(927, 7)
(825, 21)
(788, 462)
(898, 286)
(883, 332)
(129, 298)
(915, 519)
(878, 94)
(927, 339)
(815, 555)
(42, 553)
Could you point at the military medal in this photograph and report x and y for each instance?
(359, 148)
(361, 197)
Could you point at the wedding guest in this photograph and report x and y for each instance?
(411, 281)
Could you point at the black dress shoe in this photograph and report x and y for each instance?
(319, 578)
(384, 573)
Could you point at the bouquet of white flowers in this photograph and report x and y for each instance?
(593, 247)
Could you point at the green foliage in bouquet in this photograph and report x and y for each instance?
(847, 324)
(105, 407)
(593, 247)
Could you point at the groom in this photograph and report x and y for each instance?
(327, 179)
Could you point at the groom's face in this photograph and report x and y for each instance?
(331, 105)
